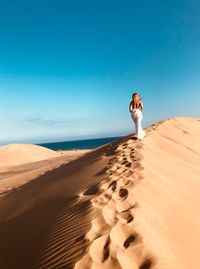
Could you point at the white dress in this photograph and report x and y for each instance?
(136, 115)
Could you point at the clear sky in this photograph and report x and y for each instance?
(68, 68)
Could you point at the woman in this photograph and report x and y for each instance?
(136, 108)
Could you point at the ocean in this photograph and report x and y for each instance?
(79, 144)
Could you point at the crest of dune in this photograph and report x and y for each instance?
(169, 218)
(164, 229)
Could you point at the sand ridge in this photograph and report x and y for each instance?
(113, 240)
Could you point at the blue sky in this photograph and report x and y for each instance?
(68, 68)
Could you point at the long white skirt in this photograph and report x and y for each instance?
(137, 118)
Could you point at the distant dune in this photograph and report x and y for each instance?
(127, 205)
(21, 163)
(16, 154)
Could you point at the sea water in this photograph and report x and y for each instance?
(79, 144)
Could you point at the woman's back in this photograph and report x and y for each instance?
(136, 104)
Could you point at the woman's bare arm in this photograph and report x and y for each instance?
(141, 106)
(130, 107)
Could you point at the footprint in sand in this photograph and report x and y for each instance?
(124, 161)
(113, 185)
(99, 227)
(125, 217)
(109, 213)
(99, 249)
(128, 164)
(122, 235)
(129, 240)
(92, 190)
(147, 264)
(123, 206)
(123, 193)
(101, 200)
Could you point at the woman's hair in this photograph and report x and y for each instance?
(136, 97)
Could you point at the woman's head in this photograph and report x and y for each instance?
(136, 96)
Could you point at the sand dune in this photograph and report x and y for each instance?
(129, 204)
(16, 154)
(21, 163)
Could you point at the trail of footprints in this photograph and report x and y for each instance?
(113, 239)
